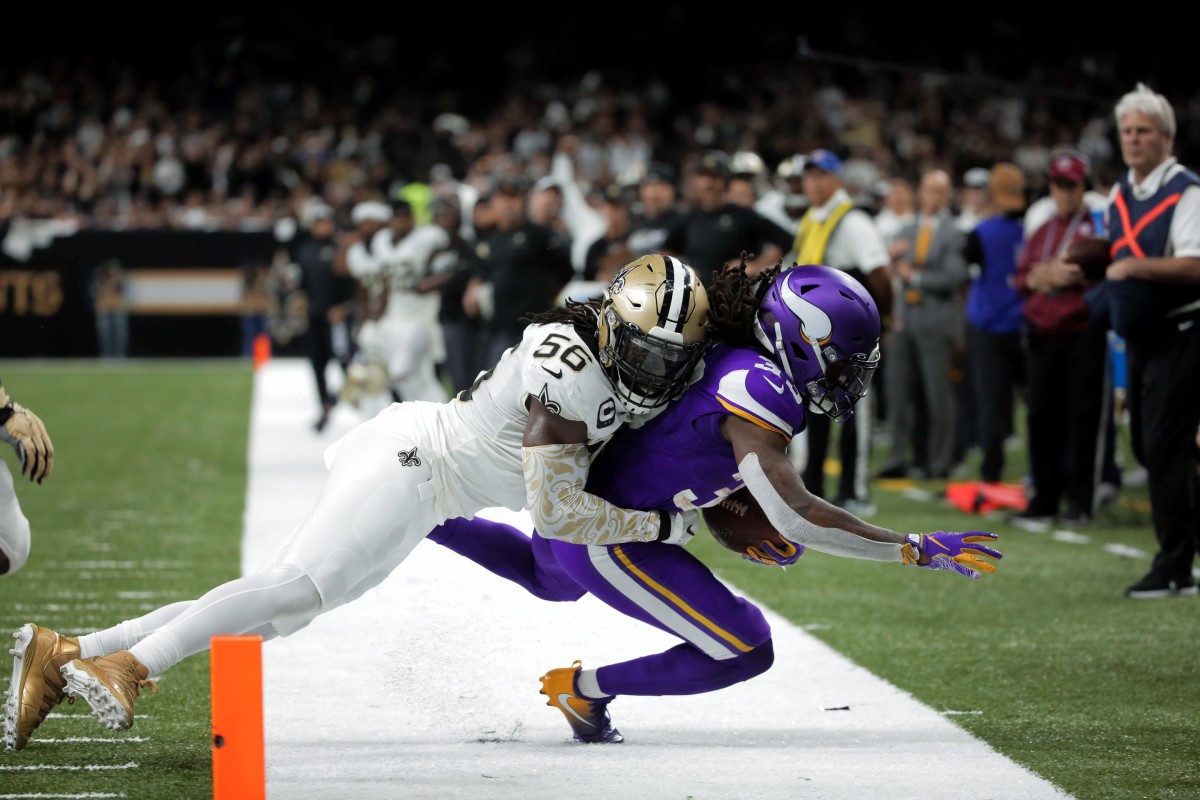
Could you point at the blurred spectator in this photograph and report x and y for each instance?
(897, 209)
(715, 232)
(461, 333)
(405, 336)
(611, 251)
(994, 317)
(1153, 292)
(1095, 199)
(256, 303)
(747, 179)
(972, 198)
(519, 269)
(783, 202)
(1064, 355)
(111, 308)
(926, 329)
(836, 233)
(328, 296)
(656, 211)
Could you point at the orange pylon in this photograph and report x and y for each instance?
(239, 763)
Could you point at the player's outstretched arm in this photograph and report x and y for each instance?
(809, 521)
(22, 429)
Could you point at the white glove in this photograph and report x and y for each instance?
(683, 526)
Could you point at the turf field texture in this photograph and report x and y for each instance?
(1045, 660)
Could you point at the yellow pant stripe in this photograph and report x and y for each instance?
(679, 603)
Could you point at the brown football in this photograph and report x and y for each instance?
(738, 521)
(1091, 253)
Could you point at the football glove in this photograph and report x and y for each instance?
(21, 428)
(953, 552)
(679, 527)
(772, 555)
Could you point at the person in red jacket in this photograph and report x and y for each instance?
(1065, 354)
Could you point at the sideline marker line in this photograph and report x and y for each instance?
(239, 766)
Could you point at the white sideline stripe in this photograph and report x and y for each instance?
(1071, 537)
(110, 740)
(87, 717)
(427, 686)
(66, 767)
(1125, 551)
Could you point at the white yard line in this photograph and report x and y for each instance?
(427, 687)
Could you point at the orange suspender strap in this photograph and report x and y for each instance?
(1131, 232)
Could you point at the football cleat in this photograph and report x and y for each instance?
(36, 685)
(588, 719)
(109, 684)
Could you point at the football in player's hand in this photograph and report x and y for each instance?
(1091, 253)
(738, 522)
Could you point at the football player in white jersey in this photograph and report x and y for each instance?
(523, 436)
(406, 338)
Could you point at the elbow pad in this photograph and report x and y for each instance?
(834, 541)
(555, 475)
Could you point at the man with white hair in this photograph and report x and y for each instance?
(1152, 298)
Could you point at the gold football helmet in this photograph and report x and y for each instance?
(652, 324)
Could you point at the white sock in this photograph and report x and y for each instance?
(243, 604)
(130, 632)
(159, 651)
(588, 687)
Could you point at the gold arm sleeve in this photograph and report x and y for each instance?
(555, 475)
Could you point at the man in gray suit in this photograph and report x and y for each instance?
(929, 271)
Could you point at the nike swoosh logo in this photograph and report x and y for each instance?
(562, 701)
(555, 373)
(779, 389)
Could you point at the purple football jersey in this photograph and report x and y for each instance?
(679, 458)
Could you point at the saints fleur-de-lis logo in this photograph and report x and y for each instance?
(408, 458)
(544, 399)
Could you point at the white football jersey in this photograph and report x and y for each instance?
(404, 264)
(477, 436)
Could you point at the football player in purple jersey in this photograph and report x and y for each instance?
(796, 341)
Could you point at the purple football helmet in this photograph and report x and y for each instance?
(823, 329)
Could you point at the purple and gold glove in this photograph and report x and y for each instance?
(772, 555)
(954, 552)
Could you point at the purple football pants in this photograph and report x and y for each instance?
(726, 639)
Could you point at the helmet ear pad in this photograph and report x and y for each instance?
(651, 331)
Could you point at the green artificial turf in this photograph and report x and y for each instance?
(144, 508)
(1099, 694)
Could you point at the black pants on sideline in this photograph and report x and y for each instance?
(1066, 403)
(318, 346)
(852, 481)
(1164, 407)
(998, 364)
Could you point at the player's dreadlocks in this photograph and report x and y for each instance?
(733, 302)
(582, 315)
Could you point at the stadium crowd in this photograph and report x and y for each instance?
(596, 166)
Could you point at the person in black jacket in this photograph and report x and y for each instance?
(520, 269)
(716, 232)
(328, 294)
